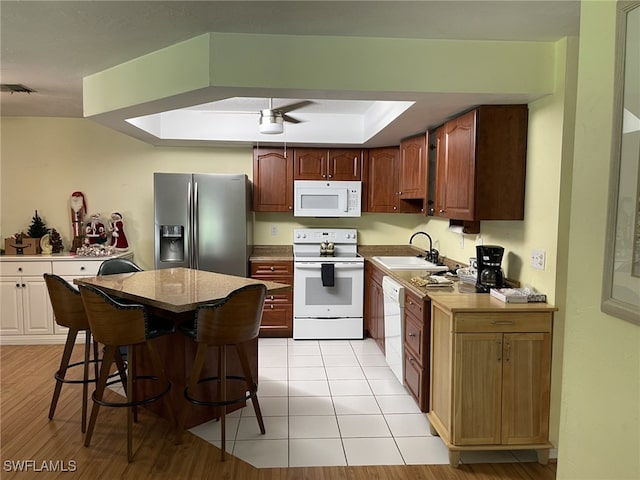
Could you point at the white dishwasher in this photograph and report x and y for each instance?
(393, 329)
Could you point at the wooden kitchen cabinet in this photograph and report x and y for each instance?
(383, 194)
(412, 181)
(327, 164)
(374, 303)
(277, 315)
(272, 180)
(481, 164)
(416, 348)
(490, 376)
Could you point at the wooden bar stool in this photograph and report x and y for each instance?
(115, 324)
(231, 322)
(68, 310)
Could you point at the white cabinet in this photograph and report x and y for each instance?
(26, 309)
(26, 316)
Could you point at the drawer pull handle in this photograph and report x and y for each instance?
(499, 344)
(502, 322)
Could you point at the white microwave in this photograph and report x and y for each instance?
(318, 198)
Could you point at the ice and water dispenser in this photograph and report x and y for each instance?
(172, 243)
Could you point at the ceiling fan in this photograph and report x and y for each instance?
(272, 119)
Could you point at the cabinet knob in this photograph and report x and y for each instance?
(395, 208)
(272, 268)
(19, 269)
(290, 207)
(81, 269)
(400, 193)
(441, 211)
(324, 176)
(411, 360)
(17, 285)
(271, 306)
(330, 176)
(23, 285)
(271, 297)
(412, 334)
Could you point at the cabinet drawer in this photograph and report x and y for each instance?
(77, 267)
(25, 268)
(503, 322)
(414, 304)
(262, 269)
(279, 298)
(414, 337)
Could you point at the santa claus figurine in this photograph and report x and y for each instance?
(118, 238)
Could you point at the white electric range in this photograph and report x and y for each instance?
(328, 289)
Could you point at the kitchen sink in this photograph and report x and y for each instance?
(409, 263)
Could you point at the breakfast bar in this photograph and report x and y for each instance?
(175, 293)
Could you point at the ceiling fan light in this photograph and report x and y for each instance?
(271, 122)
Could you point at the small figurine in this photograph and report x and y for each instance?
(118, 238)
(78, 212)
(95, 230)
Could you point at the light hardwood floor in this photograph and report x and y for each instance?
(27, 435)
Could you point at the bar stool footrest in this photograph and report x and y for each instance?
(219, 403)
(80, 380)
(142, 401)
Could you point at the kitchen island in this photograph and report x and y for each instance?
(175, 293)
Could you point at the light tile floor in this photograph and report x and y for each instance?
(331, 403)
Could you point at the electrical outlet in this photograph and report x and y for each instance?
(274, 230)
(538, 259)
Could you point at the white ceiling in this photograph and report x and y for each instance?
(50, 46)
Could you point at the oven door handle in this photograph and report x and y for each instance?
(317, 265)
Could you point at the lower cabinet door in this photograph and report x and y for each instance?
(414, 379)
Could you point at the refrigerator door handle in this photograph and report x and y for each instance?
(194, 226)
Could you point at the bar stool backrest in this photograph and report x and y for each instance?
(68, 308)
(113, 323)
(118, 265)
(236, 319)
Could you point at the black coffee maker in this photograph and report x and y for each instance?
(490, 273)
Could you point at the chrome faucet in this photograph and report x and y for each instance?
(430, 255)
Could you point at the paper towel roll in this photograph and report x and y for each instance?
(456, 229)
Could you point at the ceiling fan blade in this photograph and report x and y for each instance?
(294, 106)
(290, 119)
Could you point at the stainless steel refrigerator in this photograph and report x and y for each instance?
(202, 221)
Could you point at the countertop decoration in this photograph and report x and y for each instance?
(95, 251)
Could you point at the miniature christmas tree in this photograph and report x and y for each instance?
(56, 241)
(38, 228)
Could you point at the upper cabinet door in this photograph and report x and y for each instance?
(310, 164)
(460, 147)
(345, 164)
(272, 180)
(327, 164)
(382, 183)
(413, 168)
